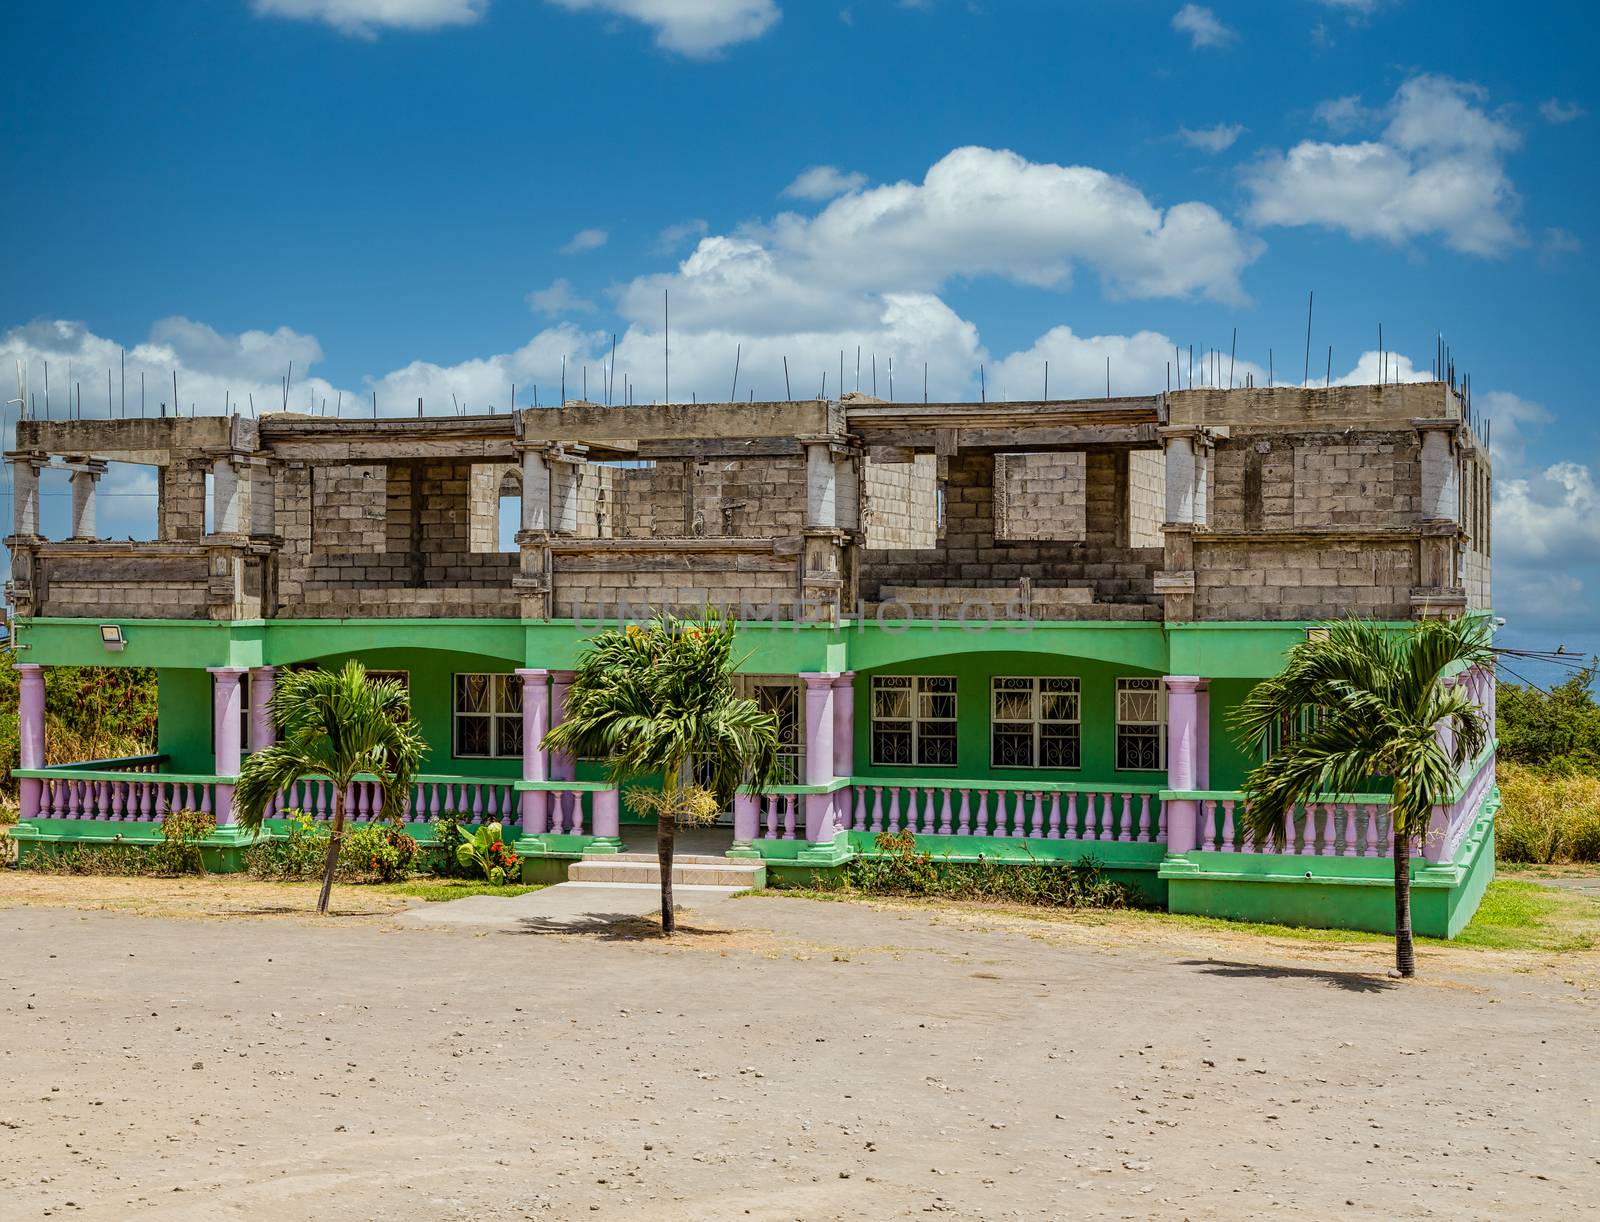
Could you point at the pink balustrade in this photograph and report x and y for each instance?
(143, 801)
(1108, 814)
(1313, 829)
(477, 801)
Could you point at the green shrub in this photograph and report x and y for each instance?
(899, 868)
(489, 854)
(177, 852)
(1547, 819)
(379, 852)
(442, 857)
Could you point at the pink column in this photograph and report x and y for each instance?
(562, 766)
(225, 735)
(1202, 736)
(262, 732)
(30, 731)
(746, 820)
(819, 753)
(1183, 716)
(535, 804)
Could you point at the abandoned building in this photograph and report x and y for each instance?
(1014, 629)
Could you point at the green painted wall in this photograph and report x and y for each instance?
(1229, 762)
(972, 671)
(184, 699)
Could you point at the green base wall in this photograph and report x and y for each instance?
(1341, 893)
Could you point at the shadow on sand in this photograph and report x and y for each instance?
(1351, 982)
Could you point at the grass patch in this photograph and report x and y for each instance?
(1514, 915)
(1525, 916)
(436, 890)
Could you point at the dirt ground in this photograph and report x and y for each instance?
(207, 1049)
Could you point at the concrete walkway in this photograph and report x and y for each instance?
(563, 908)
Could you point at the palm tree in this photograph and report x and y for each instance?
(658, 703)
(1372, 706)
(338, 725)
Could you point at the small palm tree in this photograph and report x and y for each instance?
(339, 725)
(658, 703)
(1373, 706)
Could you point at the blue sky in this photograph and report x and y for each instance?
(444, 197)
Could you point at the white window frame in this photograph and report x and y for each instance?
(1160, 689)
(917, 719)
(1035, 720)
(500, 681)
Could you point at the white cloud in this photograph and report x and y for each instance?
(1556, 244)
(695, 28)
(1557, 112)
(674, 236)
(585, 239)
(1202, 27)
(559, 298)
(364, 18)
(1346, 113)
(1353, 7)
(1215, 139)
(1439, 168)
(1551, 518)
(824, 182)
(1513, 418)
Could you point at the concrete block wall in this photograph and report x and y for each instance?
(1275, 480)
(1040, 496)
(723, 498)
(1300, 579)
(969, 555)
(589, 592)
(900, 503)
(350, 508)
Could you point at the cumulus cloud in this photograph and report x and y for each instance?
(585, 239)
(1437, 169)
(1557, 112)
(673, 236)
(1214, 139)
(364, 18)
(694, 28)
(824, 182)
(559, 298)
(1202, 27)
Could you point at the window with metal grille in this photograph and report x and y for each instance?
(1033, 723)
(488, 716)
(914, 720)
(1141, 725)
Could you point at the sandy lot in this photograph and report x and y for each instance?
(206, 1050)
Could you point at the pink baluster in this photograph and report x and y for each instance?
(433, 800)
(1019, 814)
(1227, 845)
(877, 810)
(964, 815)
(894, 810)
(790, 804)
(72, 799)
(980, 821)
(1038, 816)
(1071, 829)
(1290, 840)
(944, 815)
(1330, 834)
(1055, 816)
(1143, 835)
(1206, 810)
(769, 812)
(577, 813)
(1309, 844)
(477, 803)
(144, 788)
(859, 822)
(1126, 823)
(205, 799)
(117, 791)
(1349, 829)
(1370, 818)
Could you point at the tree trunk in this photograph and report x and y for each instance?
(666, 830)
(334, 839)
(1405, 954)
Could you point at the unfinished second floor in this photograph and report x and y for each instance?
(1251, 504)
